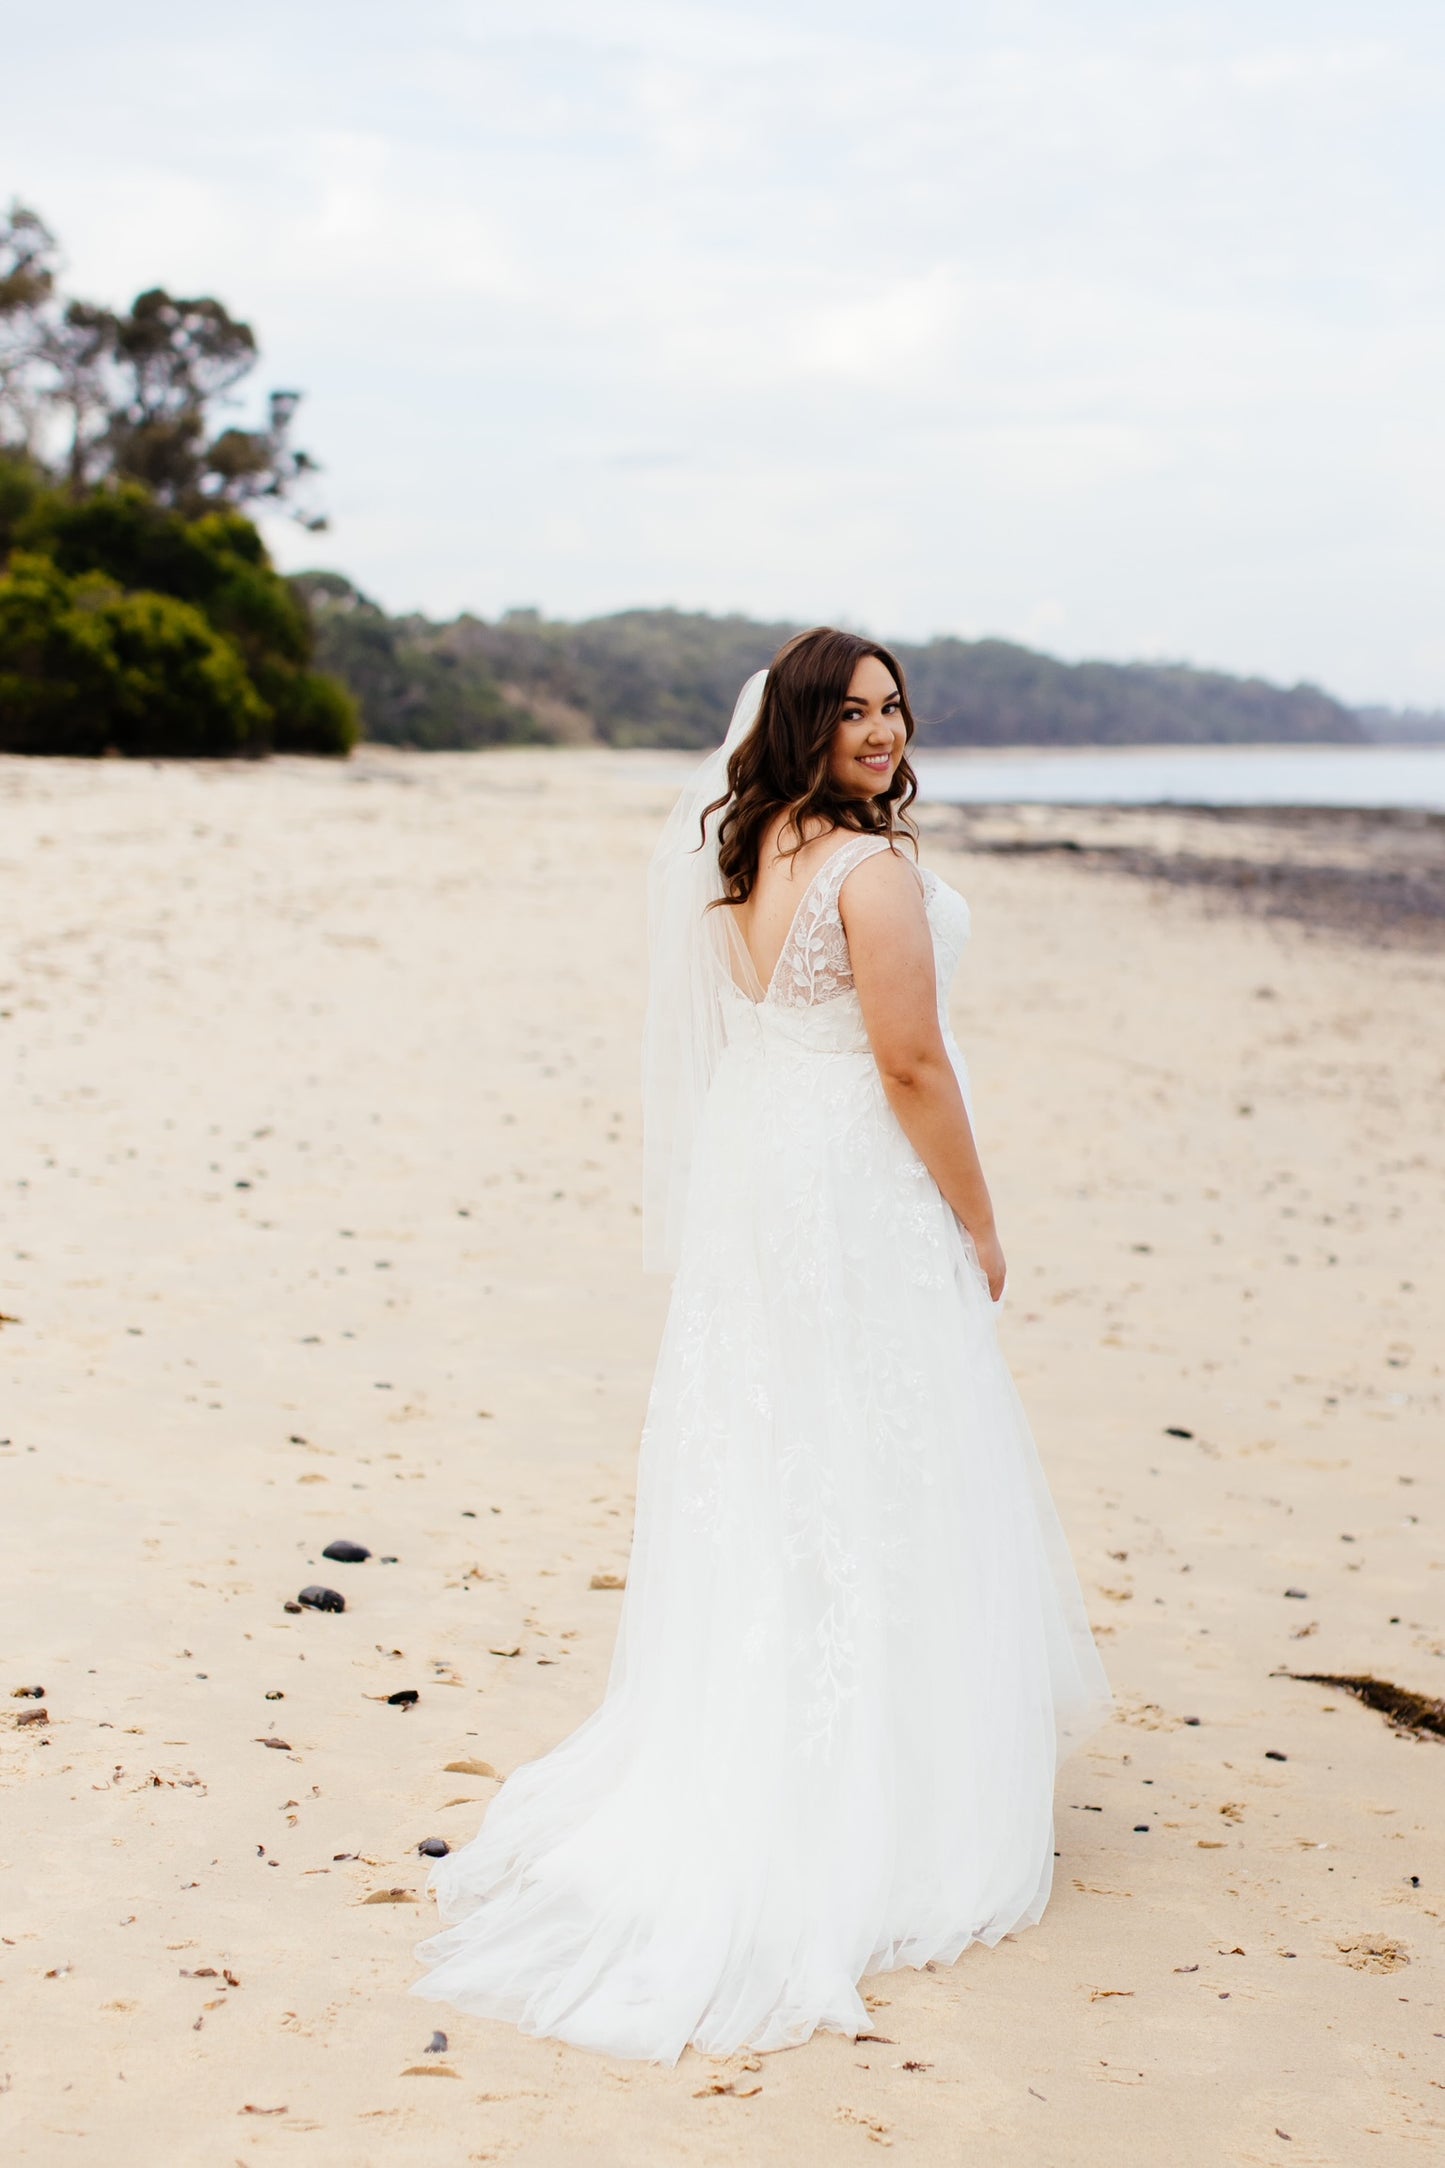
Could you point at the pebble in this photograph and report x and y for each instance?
(316, 1598)
(404, 1700)
(346, 1554)
(437, 2045)
(434, 1847)
(27, 1693)
(33, 1716)
(289, 1606)
(1300, 1595)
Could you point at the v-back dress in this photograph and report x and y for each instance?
(852, 1644)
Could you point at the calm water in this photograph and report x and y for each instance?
(1368, 776)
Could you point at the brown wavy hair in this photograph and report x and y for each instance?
(782, 765)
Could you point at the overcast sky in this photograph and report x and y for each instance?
(1113, 326)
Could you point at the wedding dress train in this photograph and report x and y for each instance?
(852, 1643)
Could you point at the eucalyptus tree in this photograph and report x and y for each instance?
(95, 395)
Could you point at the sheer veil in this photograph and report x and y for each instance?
(690, 969)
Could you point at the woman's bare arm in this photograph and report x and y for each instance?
(891, 951)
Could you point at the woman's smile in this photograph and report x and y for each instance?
(871, 732)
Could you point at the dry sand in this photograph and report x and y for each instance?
(321, 1160)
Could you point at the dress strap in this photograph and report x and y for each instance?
(835, 870)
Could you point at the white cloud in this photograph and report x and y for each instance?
(1120, 327)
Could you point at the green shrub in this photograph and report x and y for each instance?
(58, 670)
(86, 668)
(313, 714)
(185, 689)
(218, 563)
(21, 487)
(126, 625)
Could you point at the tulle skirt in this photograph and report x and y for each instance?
(852, 1644)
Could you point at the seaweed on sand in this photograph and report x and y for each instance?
(1406, 1710)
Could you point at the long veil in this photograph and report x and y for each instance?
(689, 974)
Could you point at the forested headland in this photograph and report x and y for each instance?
(669, 677)
(140, 611)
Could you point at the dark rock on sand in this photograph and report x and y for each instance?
(346, 1554)
(316, 1598)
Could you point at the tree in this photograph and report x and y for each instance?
(125, 625)
(27, 292)
(86, 669)
(98, 395)
(411, 689)
(139, 609)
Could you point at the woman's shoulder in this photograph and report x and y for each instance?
(883, 868)
(888, 853)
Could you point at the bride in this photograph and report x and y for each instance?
(852, 1644)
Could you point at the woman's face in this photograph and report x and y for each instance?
(869, 740)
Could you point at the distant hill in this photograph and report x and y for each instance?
(989, 692)
(669, 678)
(1403, 726)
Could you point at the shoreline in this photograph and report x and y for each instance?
(1371, 875)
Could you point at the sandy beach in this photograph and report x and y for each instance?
(321, 1169)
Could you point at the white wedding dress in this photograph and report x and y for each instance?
(852, 1643)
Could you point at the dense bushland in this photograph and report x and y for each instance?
(139, 610)
(669, 677)
(126, 627)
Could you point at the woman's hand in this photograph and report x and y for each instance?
(990, 1255)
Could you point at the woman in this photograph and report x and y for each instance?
(852, 1642)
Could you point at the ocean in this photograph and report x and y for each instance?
(1368, 777)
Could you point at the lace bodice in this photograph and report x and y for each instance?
(814, 966)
